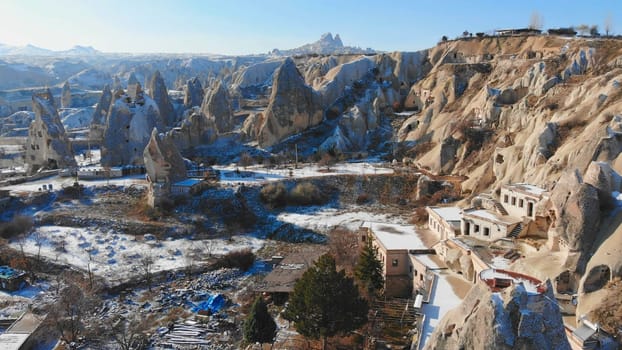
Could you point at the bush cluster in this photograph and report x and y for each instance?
(241, 259)
(18, 226)
(305, 193)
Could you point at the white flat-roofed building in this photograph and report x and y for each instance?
(99, 173)
(444, 221)
(520, 199)
(394, 242)
(488, 225)
(422, 266)
(183, 187)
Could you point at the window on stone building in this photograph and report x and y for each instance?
(394, 263)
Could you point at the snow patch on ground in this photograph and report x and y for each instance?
(499, 262)
(258, 174)
(326, 219)
(117, 257)
(59, 182)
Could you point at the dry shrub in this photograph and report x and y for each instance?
(240, 259)
(274, 194)
(343, 245)
(420, 216)
(423, 147)
(362, 198)
(18, 226)
(306, 193)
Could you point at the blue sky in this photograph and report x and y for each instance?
(257, 26)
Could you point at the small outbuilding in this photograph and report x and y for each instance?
(11, 279)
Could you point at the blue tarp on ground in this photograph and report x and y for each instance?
(213, 304)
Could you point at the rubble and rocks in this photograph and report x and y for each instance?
(512, 319)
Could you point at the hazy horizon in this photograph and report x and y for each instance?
(248, 27)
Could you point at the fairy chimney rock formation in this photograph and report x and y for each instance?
(128, 129)
(217, 107)
(133, 86)
(48, 146)
(196, 130)
(159, 93)
(65, 97)
(163, 161)
(98, 123)
(293, 106)
(193, 93)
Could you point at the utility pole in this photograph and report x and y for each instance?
(296, 155)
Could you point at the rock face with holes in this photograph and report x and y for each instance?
(128, 129)
(163, 161)
(577, 211)
(195, 130)
(293, 106)
(47, 146)
(512, 319)
(217, 108)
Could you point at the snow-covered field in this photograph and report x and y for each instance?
(325, 219)
(118, 256)
(259, 174)
(59, 182)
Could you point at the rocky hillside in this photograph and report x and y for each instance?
(514, 319)
(517, 109)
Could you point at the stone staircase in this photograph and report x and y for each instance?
(516, 231)
(500, 209)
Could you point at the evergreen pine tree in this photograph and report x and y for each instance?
(259, 325)
(369, 268)
(326, 302)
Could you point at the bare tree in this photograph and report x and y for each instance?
(129, 333)
(39, 240)
(536, 21)
(146, 265)
(327, 160)
(583, 29)
(189, 261)
(89, 252)
(594, 30)
(69, 315)
(208, 248)
(608, 25)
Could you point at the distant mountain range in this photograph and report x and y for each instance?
(325, 46)
(31, 50)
